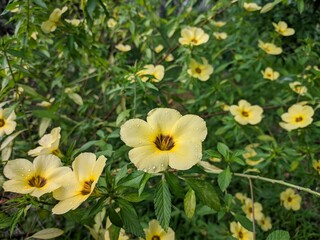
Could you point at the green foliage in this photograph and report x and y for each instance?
(162, 204)
(279, 234)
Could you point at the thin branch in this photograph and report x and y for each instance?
(252, 208)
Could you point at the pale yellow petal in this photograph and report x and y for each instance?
(17, 186)
(9, 127)
(69, 204)
(163, 119)
(18, 169)
(99, 166)
(83, 165)
(70, 187)
(45, 163)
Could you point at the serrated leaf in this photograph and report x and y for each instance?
(130, 218)
(224, 179)
(114, 217)
(244, 221)
(205, 192)
(174, 184)
(113, 232)
(47, 233)
(121, 174)
(279, 235)
(162, 204)
(223, 150)
(190, 203)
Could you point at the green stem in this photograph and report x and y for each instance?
(252, 203)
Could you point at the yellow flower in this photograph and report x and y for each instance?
(290, 200)
(34, 35)
(270, 74)
(298, 88)
(74, 22)
(251, 153)
(54, 19)
(316, 165)
(158, 48)
(298, 116)
(123, 48)
(244, 113)
(166, 138)
(270, 48)
(78, 185)
(219, 23)
(240, 232)
(220, 35)
(49, 143)
(111, 23)
(282, 29)
(247, 209)
(156, 232)
(251, 7)
(242, 197)
(36, 178)
(156, 71)
(169, 58)
(199, 70)
(7, 123)
(265, 223)
(193, 36)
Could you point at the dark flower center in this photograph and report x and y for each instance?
(198, 70)
(289, 199)
(155, 237)
(164, 142)
(194, 41)
(240, 235)
(37, 181)
(86, 187)
(245, 113)
(1, 122)
(299, 119)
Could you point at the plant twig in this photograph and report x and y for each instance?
(252, 208)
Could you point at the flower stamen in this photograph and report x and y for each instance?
(245, 113)
(2, 122)
(155, 237)
(37, 181)
(164, 142)
(86, 187)
(198, 70)
(299, 119)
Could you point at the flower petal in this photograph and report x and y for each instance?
(17, 186)
(44, 163)
(18, 169)
(83, 165)
(163, 119)
(69, 204)
(98, 167)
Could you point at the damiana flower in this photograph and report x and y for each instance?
(298, 88)
(169, 58)
(78, 185)
(156, 71)
(36, 178)
(158, 48)
(219, 23)
(251, 7)
(220, 35)
(202, 71)
(193, 36)
(270, 48)
(270, 74)
(241, 197)
(265, 223)
(49, 143)
(54, 19)
(251, 153)
(248, 209)
(111, 23)
(282, 29)
(290, 200)
(298, 116)
(245, 113)
(239, 232)
(166, 138)
(7, 123)
(123, 48)
(316, 165)
(156, 232)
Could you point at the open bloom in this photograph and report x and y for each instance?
(78, 185)
(270, 74)
(166, 138)
(156, 232)
(41, 176)
(7, 123)
(241, 197)
(245, 113)
(193, 36)
(123, 48)
(220, 35)
(290, 200)
(54, 19)
(248, 209)
(157, 72)
(49, 143)
(265, 223)
(239, 232)
(202, 71)
(316, 165)
(282, 28)
(111, 23)
(298, 88)
(270, 48)
(251, 7)
(298, 116)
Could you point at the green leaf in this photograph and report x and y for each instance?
(205, 192)
(114, 232)
(130, 218)
(190, 203)
(223, 150)
(15, 220)
(143, 182)
(162, 204)
(279, 235)
(224, 179)
(40, 3)
(245, 222)
(174, 184)
(300, 5)
(4, 221)
(47, 233)
(114, 217)
(121, 174)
